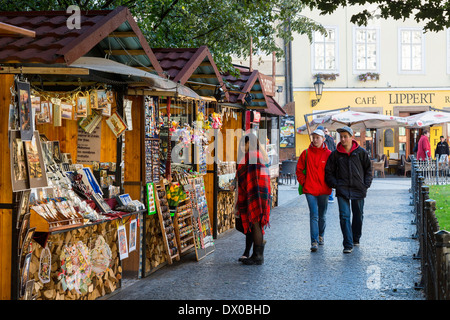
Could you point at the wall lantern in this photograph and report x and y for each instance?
(318, 87)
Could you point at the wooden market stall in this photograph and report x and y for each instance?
(82, 115)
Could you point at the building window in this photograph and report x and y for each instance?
(325, 51)
(366, 50)
(411, 50)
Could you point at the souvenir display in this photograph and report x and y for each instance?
(25, 113)
(100, 256)
(195, 190)
(36, 103)
(19, 174)
(24, 276)
(57, 112)
(116, 124)
(82, 106)
(89, 123)
(24, 206)
(122, 238)
(166, 224)
(45, 115)
(133, 235)
(184, 228)
(76, 267)
(37, 176)
(45, 265)
(66, 111)
(150, 195)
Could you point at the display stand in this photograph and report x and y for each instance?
(204, 243)
(184, 227)
(166, 224)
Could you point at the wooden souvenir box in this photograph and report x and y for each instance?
(43, 225)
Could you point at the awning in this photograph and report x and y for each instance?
(273, 107)
(153, 81)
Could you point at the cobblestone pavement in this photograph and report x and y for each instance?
(381, 268)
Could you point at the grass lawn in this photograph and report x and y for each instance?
(441, 194)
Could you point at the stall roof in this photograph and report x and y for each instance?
(274, 108)
(111, 33)
(194, 67)
(253, 82)
(156, 82)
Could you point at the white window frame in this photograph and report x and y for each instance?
(399, 40)
(315, 70)
(358, 71)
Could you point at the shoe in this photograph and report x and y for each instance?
(348, 250)
(314, 247)
(356, 243)
(257, 257)
(331, 201)
(242, 258)
(321, 241)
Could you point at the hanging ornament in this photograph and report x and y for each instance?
(45, 265)
(100, 256)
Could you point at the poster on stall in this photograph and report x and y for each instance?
(133, 229)
(151, 198)
(25, 114)
(287, 132)
(123, 246)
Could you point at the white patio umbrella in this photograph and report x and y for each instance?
(356, 120)
(427, 118)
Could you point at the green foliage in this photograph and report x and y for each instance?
(434, 14)
(225, 26)
(441, 194)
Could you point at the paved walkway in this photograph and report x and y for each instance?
(381, 268)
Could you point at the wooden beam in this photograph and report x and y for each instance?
(8, 30)
(44, 70)
(203, 76)
(126, 52)
(122, 34)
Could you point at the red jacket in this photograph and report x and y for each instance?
(314, 181)
(423, 147)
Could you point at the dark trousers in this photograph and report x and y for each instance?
(351, 215)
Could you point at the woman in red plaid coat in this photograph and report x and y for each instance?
(253, 204)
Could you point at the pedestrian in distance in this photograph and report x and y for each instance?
(314, 159)
(329, 141)
(253, 203)
(423, 147)
(349, 171)
(441, 148)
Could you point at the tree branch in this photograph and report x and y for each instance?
(164, 14)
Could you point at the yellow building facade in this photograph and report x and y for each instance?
(399, 102)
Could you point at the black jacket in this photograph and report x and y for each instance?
(350, 175)
(441, 148)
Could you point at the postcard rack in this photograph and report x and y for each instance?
(45, 223)
(166, 223)
(184, 228)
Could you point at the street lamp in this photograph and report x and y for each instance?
(318, 87)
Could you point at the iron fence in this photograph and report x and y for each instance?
(434, 243)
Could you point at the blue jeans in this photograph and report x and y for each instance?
(351, 229)
(317, 209)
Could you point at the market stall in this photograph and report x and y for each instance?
(72, 206)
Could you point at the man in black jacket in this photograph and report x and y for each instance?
(441, 148)
(349, 171)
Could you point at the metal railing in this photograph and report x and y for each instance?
(435, 172)
(434, 243)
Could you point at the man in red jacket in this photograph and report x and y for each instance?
(424, 148)
(314, 159)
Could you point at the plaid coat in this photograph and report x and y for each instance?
(253, 191)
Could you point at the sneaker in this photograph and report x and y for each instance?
(356, 243)
(314, 247)
(348, 250)
(330, 201)
(320, 241)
